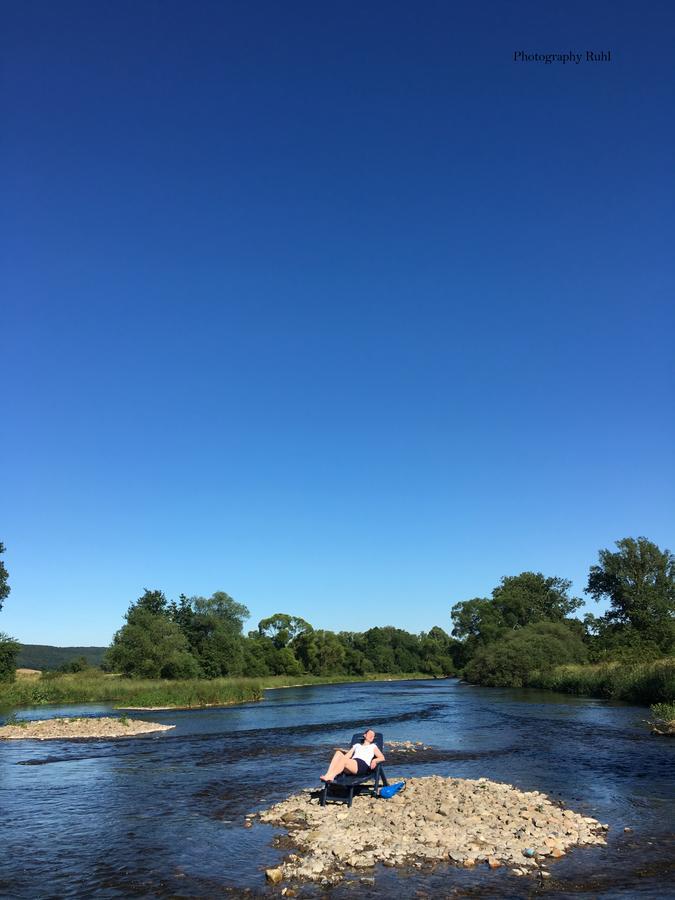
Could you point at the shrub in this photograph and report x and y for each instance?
(510, 661)
(9, 652)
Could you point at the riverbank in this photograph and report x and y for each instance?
(68, 729)
(94, 686)
(641, 683)
(435, 820)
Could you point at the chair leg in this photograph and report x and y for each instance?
(351, 795)
(323, 795)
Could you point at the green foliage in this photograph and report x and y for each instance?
(518, 601)
(4, 578)
(9, 652)
(650, 682)
(639, 582)
(136, 692)
(151, 646)
(79, 664)
(212, 627)
(44, 657)
(436, 652)
(664, 712)
(509, 661)
(84, 687)
(531, 597)
(282, 628)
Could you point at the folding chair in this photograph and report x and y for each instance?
(342, 788)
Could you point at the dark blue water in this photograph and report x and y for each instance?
(162, 815)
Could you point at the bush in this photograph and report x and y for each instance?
(650, 682)
(512, 660)
(664, 711)
(9, 652)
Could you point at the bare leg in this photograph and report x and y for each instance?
(339, 763)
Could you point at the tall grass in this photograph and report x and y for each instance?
(95, 687)
(88, 687)
(645, 683)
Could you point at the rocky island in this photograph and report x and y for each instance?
(435, 820)
(64, 729)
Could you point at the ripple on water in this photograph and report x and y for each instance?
(163, 816)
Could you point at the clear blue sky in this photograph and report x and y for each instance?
(334, 307)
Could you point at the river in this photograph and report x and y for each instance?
(162, 815)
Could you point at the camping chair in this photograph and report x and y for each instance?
(342, 788)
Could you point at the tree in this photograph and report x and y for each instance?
(9, 651)
(320, 652)
(4, 576)
(212, 626)
(150, 645)
(478, 620)
(509, 661)
(282, 628)
(436, 652)
(223, 608)
(638, 579)
(76, 664)
(531, 597)
(153, 601)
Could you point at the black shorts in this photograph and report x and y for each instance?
(363, 767)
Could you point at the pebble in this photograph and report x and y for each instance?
(436, 819)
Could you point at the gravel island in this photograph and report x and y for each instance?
(60, 729)
(434, 820)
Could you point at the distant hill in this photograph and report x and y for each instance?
(42, 656)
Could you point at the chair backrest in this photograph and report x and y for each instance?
(358, 737)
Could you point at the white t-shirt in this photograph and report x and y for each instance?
(366, 752)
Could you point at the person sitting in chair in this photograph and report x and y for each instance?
(360, 760)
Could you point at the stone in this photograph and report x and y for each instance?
(274, 876)
(462, 820)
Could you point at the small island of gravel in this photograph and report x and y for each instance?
(435, 820)
(64, 729)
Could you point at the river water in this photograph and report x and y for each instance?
(162, 815)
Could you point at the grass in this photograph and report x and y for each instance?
(644, 683)
(95, 687)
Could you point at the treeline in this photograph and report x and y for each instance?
(47, 657)
(202, 637)
(519, 636)
(525, 629)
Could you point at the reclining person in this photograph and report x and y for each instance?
(360, 760)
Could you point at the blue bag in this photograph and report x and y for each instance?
(391, 789)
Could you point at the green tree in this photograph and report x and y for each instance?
(375, 644)
(153, 601)
(509, 661)
(77, 664)
(479, 620)
(213, 626)
(9, 651)
(531, 597)
(150, 645)
(436, 652)
(282, 628)
(4, 579)
(638, 579)
(320, 652)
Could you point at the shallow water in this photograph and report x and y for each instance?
(162, 816)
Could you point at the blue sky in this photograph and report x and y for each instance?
(336, 308)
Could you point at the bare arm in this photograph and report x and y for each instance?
(378, 758)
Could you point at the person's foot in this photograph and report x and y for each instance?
(325, 778)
